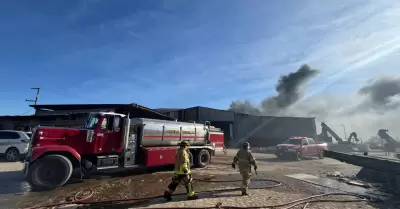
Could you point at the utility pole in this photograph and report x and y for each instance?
(37, 96)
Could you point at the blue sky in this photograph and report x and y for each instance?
(187, 53)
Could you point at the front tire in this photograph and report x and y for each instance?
(49, 172)
(12, 154)
(321, 154)
(299, 156)
(278, 155)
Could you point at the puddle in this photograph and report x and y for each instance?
(334, 184)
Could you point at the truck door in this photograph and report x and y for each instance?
(305, 147)
(113, 135)
(312, 147)
(100, 135)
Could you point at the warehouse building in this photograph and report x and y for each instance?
(260, 131)
(71, 115)
(27, 122)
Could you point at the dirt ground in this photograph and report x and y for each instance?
(14, 192)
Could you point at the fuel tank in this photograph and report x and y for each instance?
(153, 132)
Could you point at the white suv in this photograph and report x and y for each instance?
(13, 144)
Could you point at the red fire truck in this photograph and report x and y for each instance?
(114, 141)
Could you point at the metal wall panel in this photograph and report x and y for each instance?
(209, 114)
(190, 114)
(202, 114)
(268, 130)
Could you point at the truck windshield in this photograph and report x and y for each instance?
(92, 121)
(293, 141)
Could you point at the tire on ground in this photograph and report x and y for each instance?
(203, 158)
(14, 151)
(321, 154)
(278, 155)
(298, 156)
(58, 170)
(191, 160)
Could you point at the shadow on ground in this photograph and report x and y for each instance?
(12, 182)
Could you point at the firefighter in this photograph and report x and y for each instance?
(245, 159)
(182, 173)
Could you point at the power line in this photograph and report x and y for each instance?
(27, 111)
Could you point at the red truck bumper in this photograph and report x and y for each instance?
(285, 153)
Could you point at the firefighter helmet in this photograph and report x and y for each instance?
(184, 143)
(246, 145)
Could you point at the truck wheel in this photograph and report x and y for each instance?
(191, 159)
(12, 154)
(298, 156)
(49, 172)
(321, 154)
(278, 155)
(365, 153)
(203, 158)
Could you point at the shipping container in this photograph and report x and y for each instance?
(263, 131)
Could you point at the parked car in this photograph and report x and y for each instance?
(299, 147)
(13, 144)
(29, 134)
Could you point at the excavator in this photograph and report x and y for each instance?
(392, 145)
(353, 143)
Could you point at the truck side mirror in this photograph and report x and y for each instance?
(207, 124)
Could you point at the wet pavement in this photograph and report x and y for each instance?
(14, 192)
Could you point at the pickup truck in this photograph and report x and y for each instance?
(299, 147)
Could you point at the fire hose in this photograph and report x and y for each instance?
(305, 201)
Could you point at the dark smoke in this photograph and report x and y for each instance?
(288, 89)
(375, 106)
(244, 107)
(382, 93)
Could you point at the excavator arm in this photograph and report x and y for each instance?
(392, 144)
(353, 135)
(326, 129)
(383, 133)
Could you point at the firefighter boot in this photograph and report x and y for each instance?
(244, 192)
(193, 197)
(167, 195)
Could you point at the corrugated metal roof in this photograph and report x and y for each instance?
(34, 116)
(165, 110)
(128, 107)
